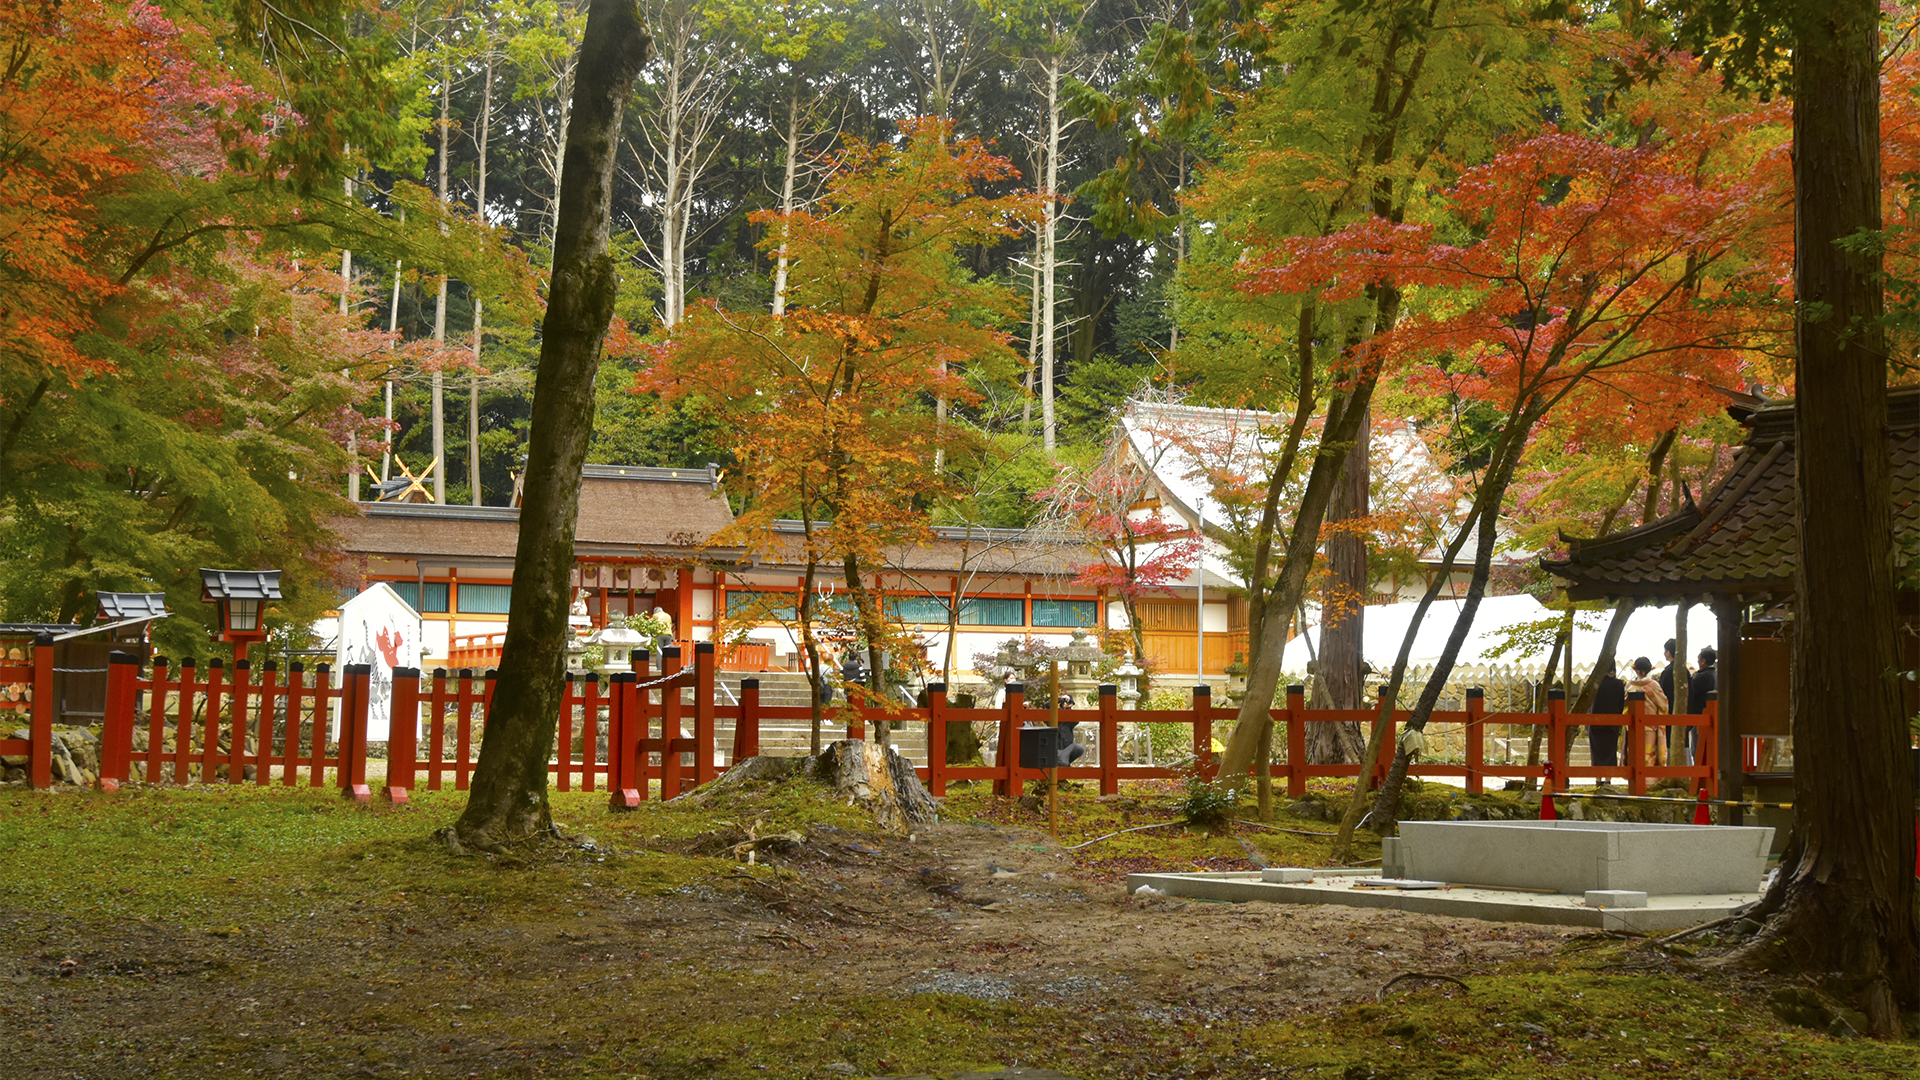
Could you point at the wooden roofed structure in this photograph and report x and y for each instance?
(1738, 550)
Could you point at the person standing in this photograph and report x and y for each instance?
(1704, 682)
(1643, 681)
(1603, 740)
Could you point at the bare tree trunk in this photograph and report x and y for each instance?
(1049, 229)
(480, 209)
(1845, 894)
(787, 178)
(508, 800)
(440, 303)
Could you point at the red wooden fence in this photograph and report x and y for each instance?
(634, 734)
(32, 674)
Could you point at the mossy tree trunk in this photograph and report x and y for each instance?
(1845, 894)
(508, 800)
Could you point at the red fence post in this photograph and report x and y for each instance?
(290, 749)
(1636, 741)
(356, 697)
(670, 733)
(1109, 739)
(856, 712)
(703, 661)
(269, 690)
(937, 739)
(466, 698)
(403, 735)
(183, 722)
(116, 727)
(323, 690)
(1557, 735)
(746, 730)
(1389, 745)
(1007, 758)
(625, 727)
(237, 725)
(1203, 730)
(40, 715)
(1476, 740)
(1296, 741)
(210, 720)
(156, 719)
(590, 732)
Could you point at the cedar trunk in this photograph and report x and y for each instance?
(508, 800)
(1343, 613)
(1846, 888)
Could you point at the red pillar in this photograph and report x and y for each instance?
(1296, 741)
(1476, 740)
(1109, 739)
(703, 736)
(403, 735)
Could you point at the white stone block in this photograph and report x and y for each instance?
(1285, 875)
(1615, 898)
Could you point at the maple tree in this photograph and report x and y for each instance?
(826, 406)
(1141, 550)
(1586, 280)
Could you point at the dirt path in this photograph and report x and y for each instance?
(606, 981)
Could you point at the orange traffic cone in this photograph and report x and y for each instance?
(1702, 815)
(1547, 810)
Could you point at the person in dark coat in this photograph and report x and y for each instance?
(1704, 682)
(1603, 740)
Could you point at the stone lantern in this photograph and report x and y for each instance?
(616, 645)
(1237, 678)
(1080, 658)
(1128, 678)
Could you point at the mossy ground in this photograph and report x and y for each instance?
(169, 932)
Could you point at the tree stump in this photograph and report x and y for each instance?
(874, 776)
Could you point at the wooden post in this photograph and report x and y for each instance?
(1389, 745)
(746, 729)
(625, 728)
(356, 696)
(1109, 739)
(210, 720)
(1007, 760)
(463, 696)
(40, 715)
(937, 739)
(1296, 741)
(156, 718)
(116, 727)
(1203, 730)
(322, 686)
(269, 691)
(1709, 744)
(1557, 747)
(1476, 740)
(703, 737)
(403, 735)
(590, 732)
(183, 721)
(1053, 766)
(1731, 773)
(437, 729)
(290, 746)
(238, 727)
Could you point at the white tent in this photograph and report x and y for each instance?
(1646, 633)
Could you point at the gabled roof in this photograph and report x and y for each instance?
(625, 510)
(1742, 541)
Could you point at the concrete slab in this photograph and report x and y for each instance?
(1615, 898)
(1662, 913)
(1577, 856)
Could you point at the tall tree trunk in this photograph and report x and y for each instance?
(1845, 894)
(1049, 258)
(480, 210)
(346, 302)
(440, 302)
(789, 173)
(1343, 614)
(508, 800)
